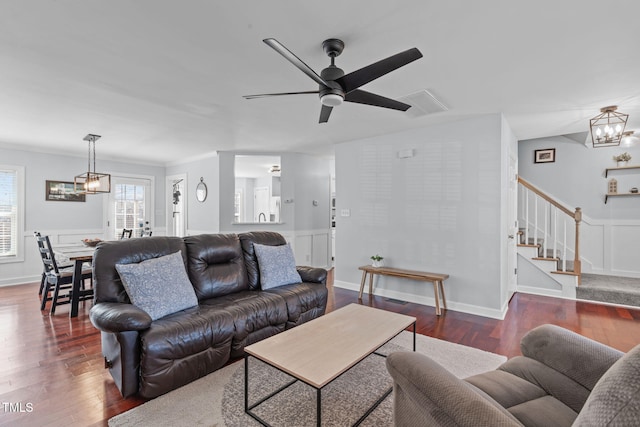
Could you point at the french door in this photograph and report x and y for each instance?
(130, 206)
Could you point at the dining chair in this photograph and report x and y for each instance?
(57, 279)
(40, 243)
(126, 233)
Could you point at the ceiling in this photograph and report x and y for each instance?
(162, 80)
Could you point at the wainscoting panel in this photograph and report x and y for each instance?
(610, 247)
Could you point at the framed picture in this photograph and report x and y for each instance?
(545, 156)
(62, 191)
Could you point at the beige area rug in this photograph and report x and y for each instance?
(217, 399)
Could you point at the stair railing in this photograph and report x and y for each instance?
(550, 210)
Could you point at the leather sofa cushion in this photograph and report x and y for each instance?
(216, 265)
(305, 301)
(182, 347)
(247, 240)
(251, 311)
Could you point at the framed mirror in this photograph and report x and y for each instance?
(201, 191)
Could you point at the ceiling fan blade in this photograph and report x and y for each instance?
(325, 112)
(266, 95)
(364, 75)
(362, 97)
(279, 47)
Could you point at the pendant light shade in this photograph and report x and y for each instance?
(92, 182)
(607, 128)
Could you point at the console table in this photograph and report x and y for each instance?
(436, 278)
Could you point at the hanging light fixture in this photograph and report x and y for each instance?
(92, 182)
(607, 128)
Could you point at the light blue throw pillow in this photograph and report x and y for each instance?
(277, 265)
(160, 286)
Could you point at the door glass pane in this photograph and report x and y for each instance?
(129, 209)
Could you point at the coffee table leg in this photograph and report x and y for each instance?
(246, 383)
(319, 407)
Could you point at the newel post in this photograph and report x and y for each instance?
(577, 267)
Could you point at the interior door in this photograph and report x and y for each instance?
(177, 205)
(512, 223)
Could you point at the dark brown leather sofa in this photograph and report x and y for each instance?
(151, 358)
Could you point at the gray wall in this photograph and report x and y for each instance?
(577, 179)
(66, 221)
(441, 210)
(202, 217)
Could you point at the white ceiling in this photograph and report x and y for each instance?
(163, 80)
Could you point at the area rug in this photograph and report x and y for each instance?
(218, 399)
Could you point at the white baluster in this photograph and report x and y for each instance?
(535, 221)
(526, 220)
(546, 232)
(564, 247)
(555, 232)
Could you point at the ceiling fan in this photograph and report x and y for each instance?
(335, 86)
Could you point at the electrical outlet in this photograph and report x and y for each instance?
(345, 212)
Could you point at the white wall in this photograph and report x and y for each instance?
(65, 222)
(441, 210)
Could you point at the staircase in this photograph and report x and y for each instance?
(549, 237)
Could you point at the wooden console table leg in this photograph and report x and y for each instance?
(437, 297)
(364, 277)
(370, 284)
(444, 301)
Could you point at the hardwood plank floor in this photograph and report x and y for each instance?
(51, 368)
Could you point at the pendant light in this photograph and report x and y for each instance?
(92, 182)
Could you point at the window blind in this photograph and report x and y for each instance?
(8, 212)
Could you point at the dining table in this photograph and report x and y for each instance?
(78, 254)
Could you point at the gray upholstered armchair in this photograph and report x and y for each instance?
(562, 379)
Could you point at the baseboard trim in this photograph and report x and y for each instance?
(429, 301)
(543, 292)
(19, 281)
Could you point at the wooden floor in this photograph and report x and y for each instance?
(51, 368)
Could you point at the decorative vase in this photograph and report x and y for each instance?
(622, 163)
(377, 263)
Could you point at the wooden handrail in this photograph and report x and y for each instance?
(544, 196)
(577, 216)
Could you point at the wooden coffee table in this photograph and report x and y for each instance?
(319, 351)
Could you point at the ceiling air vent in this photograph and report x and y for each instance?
(423, 103)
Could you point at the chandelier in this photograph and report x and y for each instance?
(92, 182)
(607, 128)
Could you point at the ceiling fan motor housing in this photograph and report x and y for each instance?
(330, 74)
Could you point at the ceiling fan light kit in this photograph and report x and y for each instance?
(334, 87)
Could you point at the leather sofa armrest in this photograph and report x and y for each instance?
(119, 317)
(577, 357)
(312, 274)
(425, 393)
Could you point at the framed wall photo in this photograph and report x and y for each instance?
(62, 191)
(545, 156)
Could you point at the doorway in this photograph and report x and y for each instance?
(177, 205)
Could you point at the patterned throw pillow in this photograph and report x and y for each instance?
(277, 265)
(160, 286)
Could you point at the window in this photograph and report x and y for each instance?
(11, 210)
(129, 206)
